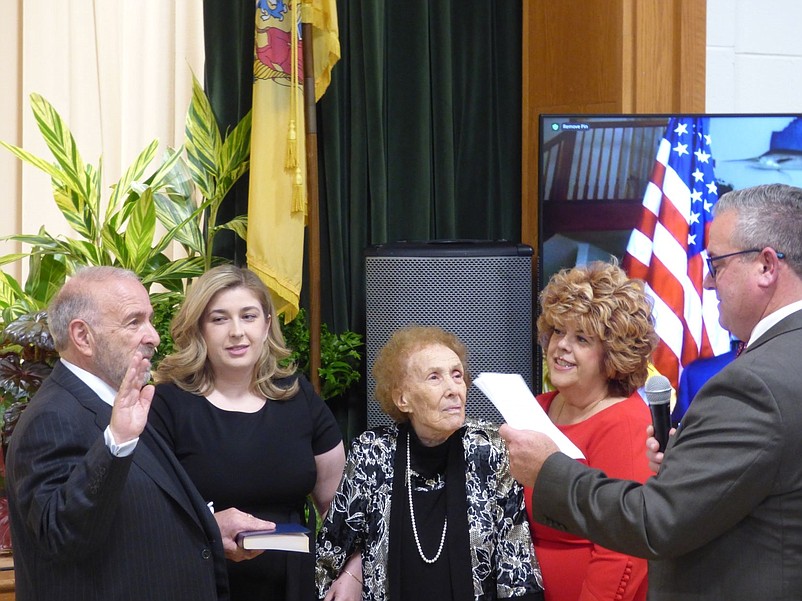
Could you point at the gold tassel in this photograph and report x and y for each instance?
(292, 146)
(298, 200)
(291, 161)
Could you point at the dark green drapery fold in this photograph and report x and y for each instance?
(418, 134)
(228, 79)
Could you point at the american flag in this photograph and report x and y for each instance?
(665, 250)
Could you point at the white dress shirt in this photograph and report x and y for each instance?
(107, 395)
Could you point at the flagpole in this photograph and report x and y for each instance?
(313, 209)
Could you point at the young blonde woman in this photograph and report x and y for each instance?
(253, 436)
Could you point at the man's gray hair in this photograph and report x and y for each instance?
(77, 300)
(768, 215)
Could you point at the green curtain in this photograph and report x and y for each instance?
(419, 133)
(228, 80)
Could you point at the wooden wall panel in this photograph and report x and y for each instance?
(567, 67)
(606, 56)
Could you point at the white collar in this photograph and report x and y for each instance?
(98, 386)
(765, 324)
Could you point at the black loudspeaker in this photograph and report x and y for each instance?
(480, 291)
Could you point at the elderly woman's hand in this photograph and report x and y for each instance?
(344, 588)
(348, 586)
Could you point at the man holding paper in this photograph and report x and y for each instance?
(723, 517)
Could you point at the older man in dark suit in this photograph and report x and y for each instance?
(100, 508)
(723, 518)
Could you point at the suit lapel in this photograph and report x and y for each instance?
(787, 324)
(160, 463)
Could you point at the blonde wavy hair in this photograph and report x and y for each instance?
(602, 301)
(392, 363)
(188, 368)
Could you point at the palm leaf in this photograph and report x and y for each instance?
(10, 290)
(177, 233)
(237, 146)
(172, 172)
(227, 182)
(191, 221)
(12, 258)
(238, 225)
(175, 203)
(72, 206)
(234, 156)
(183, 268)
(52, 170)
(133, 173)
(114, 245)
(179, 215)
(45, 277)
(59, 140)
(43, 243)
(172, 284)
(94, 197)
(84, 252)
(140, 231)
(203, 141)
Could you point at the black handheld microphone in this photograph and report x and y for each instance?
(658, 394)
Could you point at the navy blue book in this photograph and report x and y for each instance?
(286, 537)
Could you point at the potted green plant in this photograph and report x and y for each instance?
(340, 355)
(27, 355)
(121, 230)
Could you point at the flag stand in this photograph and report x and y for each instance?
(313, 208)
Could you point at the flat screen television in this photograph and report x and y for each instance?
(594, 169)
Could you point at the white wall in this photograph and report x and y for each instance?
(10, 124)
(143, 53)
(754, 56)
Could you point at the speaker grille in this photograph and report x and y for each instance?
(485, 300)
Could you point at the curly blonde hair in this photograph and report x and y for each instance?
(392, 363)
(602, 301)
(188, 367)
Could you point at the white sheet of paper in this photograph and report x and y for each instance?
(516, 403)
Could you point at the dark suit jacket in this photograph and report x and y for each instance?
(86, 525)
(723, 519)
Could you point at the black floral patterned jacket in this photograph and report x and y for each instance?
(502, 554)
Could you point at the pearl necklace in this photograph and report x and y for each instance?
(412, 515)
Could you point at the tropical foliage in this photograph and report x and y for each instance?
(340, 354)
(121, 230)
(147, 211)
(27, 355)
(181, 195)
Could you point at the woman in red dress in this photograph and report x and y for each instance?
(596, 331)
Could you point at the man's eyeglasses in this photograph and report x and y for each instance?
(711, 260)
